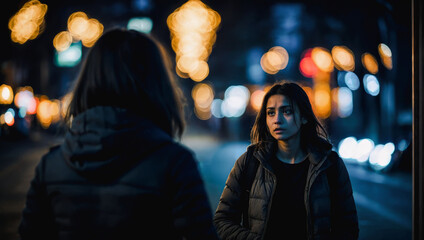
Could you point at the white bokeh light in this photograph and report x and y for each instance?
(371, 85)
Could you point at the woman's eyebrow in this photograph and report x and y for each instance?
(284, 106)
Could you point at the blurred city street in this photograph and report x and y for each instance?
(384, 201)
(352, 58)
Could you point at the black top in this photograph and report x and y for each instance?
(288, 213)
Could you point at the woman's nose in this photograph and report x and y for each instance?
(278, 118)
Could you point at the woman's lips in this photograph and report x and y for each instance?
(278, 130)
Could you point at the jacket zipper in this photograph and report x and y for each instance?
(315, 172)
(270, 202)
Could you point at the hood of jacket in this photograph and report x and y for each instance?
(107, 141)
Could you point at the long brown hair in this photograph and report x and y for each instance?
(131, 70)
(312, 132)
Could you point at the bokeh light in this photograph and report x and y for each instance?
(274, 60)
(62, 41)
(27, 23)
(141, 24)
(347, 148)
(193, 32)
(343, 58)
(307, 66)
(351, 80)
(385, 55)
(216, 108)
(6, 94)
(363, 150)
(256, 99)
(371, 85)
(235, 101)
(203, 95)
(370, 63)
(322, 100)
(322, 59)
(9, 117)
(83, 28)
(345, 102)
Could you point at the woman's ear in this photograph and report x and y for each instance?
(304, 121)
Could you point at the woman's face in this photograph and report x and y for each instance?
(282, 120)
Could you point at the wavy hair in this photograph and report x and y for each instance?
(311, 133)
(131, 70)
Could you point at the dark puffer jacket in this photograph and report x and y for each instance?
(330, 214)
(117, 176)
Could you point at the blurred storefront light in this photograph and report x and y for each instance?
(2, 120)
(83, 28)
(371, 85)
(347, 147)
(343, 58)
(9, 117)
(193, 32)
(141, 24)
(235, 101)
(370, 63)
(351, 80)
(216, 108)
(363, 150)
(385, 55)
(345, 102)
(69, 57)
(27, 23)
(322, 100)
(307, 67)
(381, 156)
(48, 111)
(62, 41)
(274, 60)
(203, 95)
(6, 94)
(256, 99)
(322, 59)
(25, 99)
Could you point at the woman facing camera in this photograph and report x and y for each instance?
(289, 184)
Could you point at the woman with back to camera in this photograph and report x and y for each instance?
(119, 173)
(289, 184)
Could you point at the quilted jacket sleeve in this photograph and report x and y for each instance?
(345, 223)
(37, 219)
(192, 215)
(228, 215)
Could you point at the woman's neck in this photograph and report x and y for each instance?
(290, 151)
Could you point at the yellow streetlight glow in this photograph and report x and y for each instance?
(256, 99)
(343, 58)
(27, 22)
(322, 100)
(202, 95)
(193, 31)
(385, 55)
(6, 94)
(322, 59)
(274, 60)
(370, 63)
(62, 41)
(83, 28)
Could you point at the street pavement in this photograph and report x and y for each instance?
(384, 201)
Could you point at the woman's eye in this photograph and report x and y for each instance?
(288, 111)
(271, 113)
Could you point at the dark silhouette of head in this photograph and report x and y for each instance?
(131, 70)
(311, 132)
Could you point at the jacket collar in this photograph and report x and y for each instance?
(317, 153)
